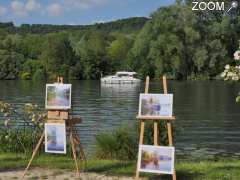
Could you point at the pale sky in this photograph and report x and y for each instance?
(73, 12)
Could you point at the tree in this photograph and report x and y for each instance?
(32, 45)
(167, 42)
(57, 55)
(118, 52)
(91, 50)
(137, 56)
(10, 64)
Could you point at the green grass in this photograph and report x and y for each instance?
(222, 169)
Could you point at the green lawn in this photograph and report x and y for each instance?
(225, 169)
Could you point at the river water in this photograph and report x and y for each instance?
(208, 119)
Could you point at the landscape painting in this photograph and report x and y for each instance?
(58, 96)
(55, 138)
(156, 105)
(156, 159)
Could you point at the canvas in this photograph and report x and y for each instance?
(55, 138)
(156, 159)
(58, 96)
(155, 105)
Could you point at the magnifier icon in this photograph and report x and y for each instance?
(234, 4)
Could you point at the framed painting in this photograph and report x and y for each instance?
(156, 105)
(156, 159)
(58, 96)
(55, 138)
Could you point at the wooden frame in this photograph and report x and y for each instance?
(156, 121)
(156, 118)
(62, 116)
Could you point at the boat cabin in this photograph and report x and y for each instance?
(126, 74)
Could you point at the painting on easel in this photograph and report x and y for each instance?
(55, 138)
(156, 159)
(58, 96)
(155, 105)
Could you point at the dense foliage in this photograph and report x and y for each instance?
(76, 52)
(15, 134)
(122, 143)
(185, 44)
(119, 144)
(175, 41)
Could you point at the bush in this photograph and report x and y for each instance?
(120, 144)
(18, 140)
(25, 76)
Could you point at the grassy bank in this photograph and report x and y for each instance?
(223, 169)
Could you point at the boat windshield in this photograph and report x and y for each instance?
(126, 74)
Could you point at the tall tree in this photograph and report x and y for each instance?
(118, 52)
(58, 55)
(92, 52)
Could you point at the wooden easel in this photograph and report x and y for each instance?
(155, 128)
(62, 116)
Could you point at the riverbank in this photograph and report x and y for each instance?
(59, 174)
(49, 166)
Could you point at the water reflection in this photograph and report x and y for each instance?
(103, 107)
(115, 90)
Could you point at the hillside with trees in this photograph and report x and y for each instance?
(175, 41)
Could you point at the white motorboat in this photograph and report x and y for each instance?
(121, 78)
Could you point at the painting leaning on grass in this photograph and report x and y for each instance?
(55, 138)
(156, 159)
(58, 96)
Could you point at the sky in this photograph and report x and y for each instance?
(75, 12)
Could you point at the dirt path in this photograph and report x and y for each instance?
(56, 174)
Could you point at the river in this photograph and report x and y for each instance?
(208, 119)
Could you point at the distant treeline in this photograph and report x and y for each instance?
(122, 25)
(175, 41)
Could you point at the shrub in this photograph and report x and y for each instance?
(122, 143)
(119, 144)
(25, 76)
(20, 138)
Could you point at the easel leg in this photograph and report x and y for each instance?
(174, 176)
(170, 140)
(33, 154)
(155, 133)
(169, 129)
(82, 154)
(74, 152)
(142, 126)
